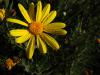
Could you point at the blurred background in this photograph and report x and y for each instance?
(80, 48)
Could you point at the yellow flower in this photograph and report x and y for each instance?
(37, 28)
(2, 14)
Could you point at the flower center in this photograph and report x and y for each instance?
(36, 28)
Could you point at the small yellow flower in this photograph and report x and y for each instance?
(2, 14)
(37, 28)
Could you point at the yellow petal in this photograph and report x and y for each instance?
(37, 41)
(50, 41)
(45, 11)
(24, 13)
(30, 47)
(23, 38)
(18, 32)
(56, 31)
(41, 45)
(17, 21)
(39, 11)
(49, 18)
(56, 25)
(31, 11)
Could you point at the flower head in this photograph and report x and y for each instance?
(9, 64)
(2, 14)
(38, 28)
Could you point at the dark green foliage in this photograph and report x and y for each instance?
(79, 50)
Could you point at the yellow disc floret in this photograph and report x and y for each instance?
(36, 28)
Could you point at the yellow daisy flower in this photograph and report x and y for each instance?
(37, 28)
(2, 14)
